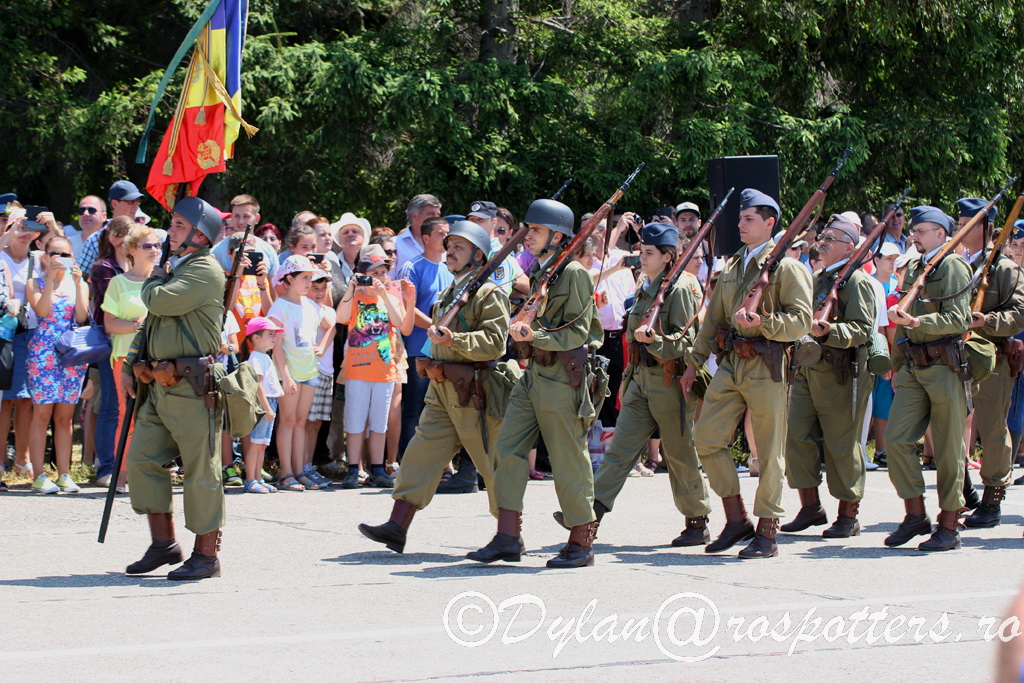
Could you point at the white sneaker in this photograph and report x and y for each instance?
(103, 481)
(66, 484)
(870, 466)
(42, 484)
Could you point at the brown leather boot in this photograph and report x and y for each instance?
(204, 563)
(695, 533)
(737, 526)
(811, 513)
(392, 533)
(846, 524)
(507, 544)
(916, 523)
(163, 550)
(990, 512)
(579, 551)
(764, 544)
(947, 534)
(599, 510)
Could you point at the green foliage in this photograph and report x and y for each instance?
(362, 105)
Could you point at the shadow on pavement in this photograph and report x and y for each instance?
(95, 580)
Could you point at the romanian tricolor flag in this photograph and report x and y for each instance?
(206, 122)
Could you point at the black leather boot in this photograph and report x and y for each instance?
(990, 512)
(846, 524)
(916, 523)
(204, 563)
(695, 533)
(163, 550)
(579, 551)
(947, 534)
(507, 544)
(763, 545)
(599, 510)
(737, 526)
(811, 513)
(971, 498)
(464, 480)
(392, 533)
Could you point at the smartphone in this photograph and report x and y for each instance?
(316, 258)
(31, 214)
(631, 261)
(68, 262)
(255, 258)
(364, 281)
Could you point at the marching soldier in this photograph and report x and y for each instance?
(461, 365)
(552, 398)
(751, 375)
(651, 396)
(830, 398)
(178, 415)
(1000, 319)
(929, 388)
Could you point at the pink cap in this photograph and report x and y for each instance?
(259, 323)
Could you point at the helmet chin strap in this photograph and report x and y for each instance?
(186, 243)
(472, 263)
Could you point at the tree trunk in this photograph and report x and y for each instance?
(498, 32)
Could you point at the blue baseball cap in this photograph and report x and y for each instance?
(125, 190)
(750, 198)
(971, 206)
(930, 214)
(5, 200)
(482, 209)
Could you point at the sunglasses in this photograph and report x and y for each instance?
(91, 210)
(150, 245)
(830, 238)
(62, 254)
(389, 252)
(140, 220)
(499, 231)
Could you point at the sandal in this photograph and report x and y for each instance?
(255, 487)
(290, 483)
(23, 470)
(270, 487)
(391, 469)
(308, 483)
(537, 476)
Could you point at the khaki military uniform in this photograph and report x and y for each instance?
(647, 403)
(479, 332)
(173, 421)
(932, 395)
(742, 384)
(543, 401)
(1003, 307)
(822, 408)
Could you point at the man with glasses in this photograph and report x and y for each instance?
(894, 230)
(829, 399)
(92, 216)
(124, 198)
(1000, 319)
(509, 275)
(928, 391)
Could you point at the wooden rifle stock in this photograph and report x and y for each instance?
(528, 313)
(234, 283)
(753, 300)
(997, 249)
(677, 269)
(915, 290)
(857, 260)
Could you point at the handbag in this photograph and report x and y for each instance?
(85, 345)
(23, 308)
(6, 364)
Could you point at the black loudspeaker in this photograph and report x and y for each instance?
(760, 173)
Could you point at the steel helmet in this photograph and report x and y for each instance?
(551, 214)
(472, 233)
(201, 215)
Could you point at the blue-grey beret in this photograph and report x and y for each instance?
(659, 235)
(929, 214)
(751, 197)
(971, 206)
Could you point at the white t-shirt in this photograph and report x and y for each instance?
(326, 363)
(300, 322)
(267, 372)
(619, 286)
(230, 327)
(881, 311)
(19, 276)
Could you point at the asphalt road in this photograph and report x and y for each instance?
(304, 595)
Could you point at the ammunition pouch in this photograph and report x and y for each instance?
(1013, 349)
(465, 378)
(143, 373)
(948, 352)
(672, 368)
(841, 360)
(575, 362)
(772, 353)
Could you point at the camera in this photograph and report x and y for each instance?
(631, 261)
(315, 258)
(31, 214)
(364, 280)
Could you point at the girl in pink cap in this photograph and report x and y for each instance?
(262, 335)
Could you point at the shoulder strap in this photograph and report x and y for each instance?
(188, 335)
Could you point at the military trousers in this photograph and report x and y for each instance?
(445, 427)
(648, 404)
(173, 422)
(738, 385)
(935, 396)
(821, 408)
(991, 406)
(543, 402)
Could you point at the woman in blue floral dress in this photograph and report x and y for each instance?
(59, 298)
